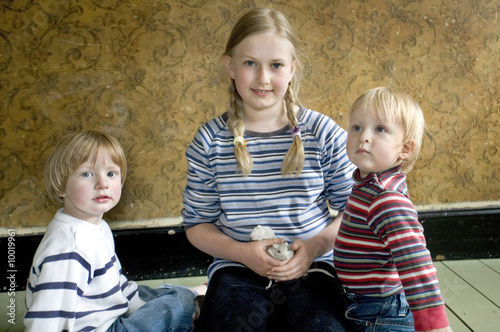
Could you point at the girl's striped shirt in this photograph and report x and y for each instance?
(295, 207)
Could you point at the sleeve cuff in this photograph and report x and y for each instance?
(429, 319)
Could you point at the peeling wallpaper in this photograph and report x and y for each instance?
(150, 73)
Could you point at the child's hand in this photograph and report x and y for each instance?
(295, 267)
(255, 257)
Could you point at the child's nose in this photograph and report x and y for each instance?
(263, 77)
(102, 182)
(364, 137)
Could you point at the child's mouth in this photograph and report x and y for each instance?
(261, 92)
(102, 199)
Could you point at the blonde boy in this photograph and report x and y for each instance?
(380, 252)
(76, 281)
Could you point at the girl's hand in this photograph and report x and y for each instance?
(254, 256)
(297, 266)
(208, 238)
(305, 253)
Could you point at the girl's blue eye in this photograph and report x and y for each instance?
(86, 174)
(277, 65)
(356, 128)
(249, 63)
(380, 130)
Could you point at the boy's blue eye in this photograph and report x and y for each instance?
(112, 174)
(356, 128)
(380, 129)
(86, 174)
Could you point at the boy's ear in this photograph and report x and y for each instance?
(407, 150)
(228, 63)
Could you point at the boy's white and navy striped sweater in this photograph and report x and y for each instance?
(76, 282)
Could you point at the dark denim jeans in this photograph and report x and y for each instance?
(237, 300)
(378, 314)
(169, 308)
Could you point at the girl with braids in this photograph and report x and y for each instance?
(267, 161)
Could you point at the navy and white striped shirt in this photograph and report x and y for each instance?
(294, 207)
(76, 282)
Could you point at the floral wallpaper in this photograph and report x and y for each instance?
(149, 72)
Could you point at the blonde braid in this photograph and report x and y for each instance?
(294, 159)
(237, 127)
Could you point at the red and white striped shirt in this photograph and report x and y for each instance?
(380, 249)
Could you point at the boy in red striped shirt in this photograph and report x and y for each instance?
(380, 252)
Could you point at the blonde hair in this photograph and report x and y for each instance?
(75, 149)
(256, 21)
(396, 107)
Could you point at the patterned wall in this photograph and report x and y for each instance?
(149, 72)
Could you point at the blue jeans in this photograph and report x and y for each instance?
(237, 300)
(166, 309)
(378, 314)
